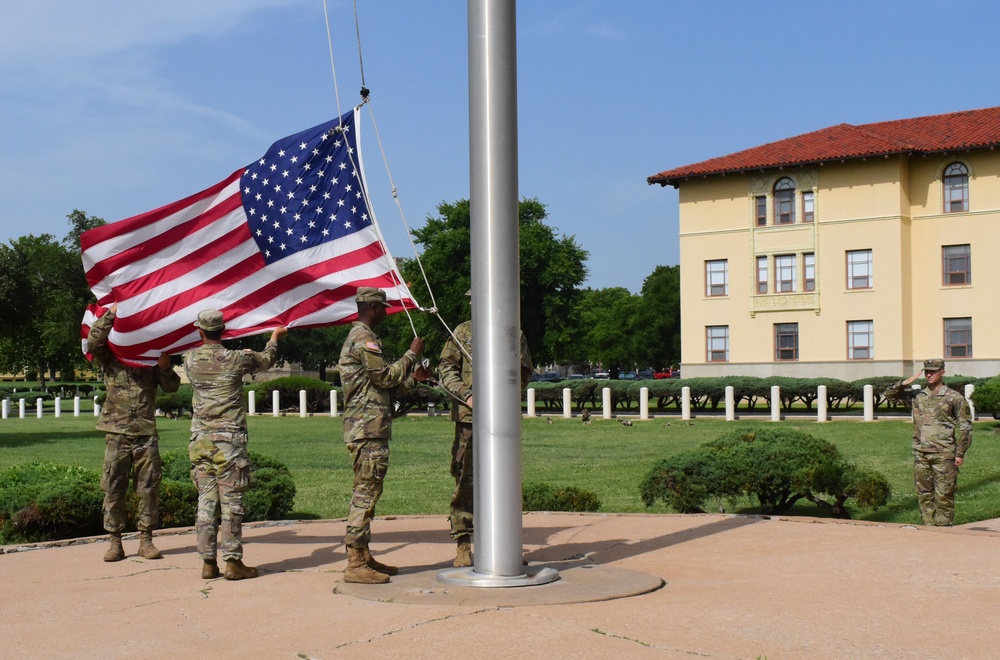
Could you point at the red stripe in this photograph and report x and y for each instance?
(152, 246)
(184, 265)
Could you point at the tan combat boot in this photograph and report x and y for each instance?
(379, 566)
(209, 570)
(115, 550)
(463, 554)
(358, 570)
(235, 570)
(146, 548)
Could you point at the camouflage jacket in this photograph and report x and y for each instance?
(455, 369)
(130, 406)
(216, 373)
(371, 384)
(942, 421)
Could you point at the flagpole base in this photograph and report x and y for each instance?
(468, 577)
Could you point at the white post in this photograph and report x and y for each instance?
(76, 406)
(643, 403)
(58, 409)
(97, 408)
(251, 403)
(685, 403)
(775, 403)
(821, 403)
(969, 389)
(730, 403)
(38, 407)
(567, 403)
(20, 408)
(6, 407)
(606, 402)
(531, 402)
(869, 403)
(333, 403)
(302, 403)
(275, 403)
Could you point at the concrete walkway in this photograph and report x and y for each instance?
(715, 586)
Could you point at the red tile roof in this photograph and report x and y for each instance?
(970, 129)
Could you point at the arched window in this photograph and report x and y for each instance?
(784, 201)
(956, 188)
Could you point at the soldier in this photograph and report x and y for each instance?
(455, 373)
(370, 387)
(220, 465)
(132, 447)
(942, 433)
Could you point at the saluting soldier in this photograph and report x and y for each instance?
(942, 434)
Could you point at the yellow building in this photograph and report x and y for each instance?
(848, 252)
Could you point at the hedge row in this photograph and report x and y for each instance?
(748, 391)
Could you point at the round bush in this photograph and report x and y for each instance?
(545, 497)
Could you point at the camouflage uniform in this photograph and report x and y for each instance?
(942, 432)
(455, 373)
(370, 387)
(220, 465)
(131, 444)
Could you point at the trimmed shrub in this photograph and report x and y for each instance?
(545, 497)
(44, 501)
(175, 404)
(777, 466)
(986, 398)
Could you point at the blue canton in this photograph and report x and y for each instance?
(306, 190)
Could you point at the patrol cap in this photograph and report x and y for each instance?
(369, 294)
(209, 320)
(933, 365)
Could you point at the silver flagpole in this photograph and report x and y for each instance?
(496, 317)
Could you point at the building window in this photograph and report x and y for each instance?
(786, 341)
(956, 188)
(717, 341)
(784, 201)
(784, 273)
(761, 274)
(809, 271)
(957, 264)
(958, 338)
(860, 340)
(808, 206)
(760, 206)
(717, 278)
(859, 269)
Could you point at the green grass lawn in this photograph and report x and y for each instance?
(604, 457)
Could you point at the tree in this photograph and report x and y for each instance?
(607, 318)
(552, 269)
(314, 348)
(43, 293)
(658, 320)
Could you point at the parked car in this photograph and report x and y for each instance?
(602, 375)
(660, 375)
(626, 375)
(577, 377)
(547, 377)
(646, 374)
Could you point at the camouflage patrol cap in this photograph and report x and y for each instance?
(369, 294)
(209, 320)
(933, 365)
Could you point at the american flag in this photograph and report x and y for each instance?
(286, 240)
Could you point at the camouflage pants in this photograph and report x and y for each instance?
(220, 469)
(138, 457)
(371, 462)
(461, 468)
(936, 477)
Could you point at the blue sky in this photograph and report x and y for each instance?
(117, 107)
